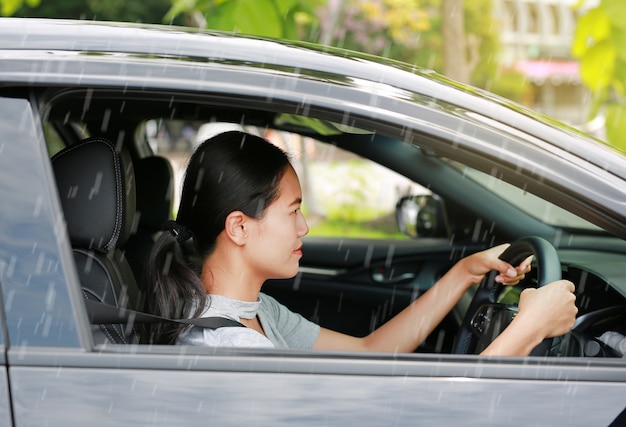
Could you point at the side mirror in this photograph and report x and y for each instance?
(422, 216)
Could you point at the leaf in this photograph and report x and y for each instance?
(592, 28)
(180, 7)
(597, 65)
(618, 39)
(616, 125)
(9, 7)
(615, 10)
(257, 17)
(619, 78)
(285, 6)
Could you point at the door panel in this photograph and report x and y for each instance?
(281, 390)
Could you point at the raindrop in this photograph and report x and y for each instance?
(440, 338)
(368, 255)
(86, 103)
(296, 282)
(46, 326)
(39, 264)
(168, 262)
(50, 297)
(88, 265)
(38, 206)
(96, 186)
(105, 120)
(390, 252)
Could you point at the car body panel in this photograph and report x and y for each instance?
(6, 419)
(279, 390)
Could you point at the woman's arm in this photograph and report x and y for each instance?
(409, 328)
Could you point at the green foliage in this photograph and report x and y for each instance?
(411, 31)
(406, 30)
(329, 227)
(270, 18)
(483, 41)
(9, 7)
(106, 10)
(600, 45)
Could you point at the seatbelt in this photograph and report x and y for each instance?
(99, 312)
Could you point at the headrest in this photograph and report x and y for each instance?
(155, 191)
(96, 185)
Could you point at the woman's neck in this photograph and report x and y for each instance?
(221, 276)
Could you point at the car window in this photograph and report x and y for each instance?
(527, 202)
(345, 195)
(34, 253)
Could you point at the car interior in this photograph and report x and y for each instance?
(108, 140)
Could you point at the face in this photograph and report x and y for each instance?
(275, 246)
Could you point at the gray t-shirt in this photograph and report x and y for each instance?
(283, 328)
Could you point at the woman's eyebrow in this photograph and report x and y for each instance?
(297, 201)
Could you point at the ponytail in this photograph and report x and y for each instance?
(174, 288)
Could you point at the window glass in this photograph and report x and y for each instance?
(529, 203)
(345, 195)
(34, 255)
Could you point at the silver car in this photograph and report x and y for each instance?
(404, 173)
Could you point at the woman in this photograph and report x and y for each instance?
(240, 206)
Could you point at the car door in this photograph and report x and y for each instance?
(57, 377)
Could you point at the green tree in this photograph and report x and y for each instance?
(412, 31)
(106, 10)
(406, 30)
(270, 18)
(600, 45)
(9, 7)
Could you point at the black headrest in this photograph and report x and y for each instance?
(155, 191)
(96, 185)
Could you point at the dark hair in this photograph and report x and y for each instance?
(233, 171)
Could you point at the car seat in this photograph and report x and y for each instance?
(96, 186)
(155, 196)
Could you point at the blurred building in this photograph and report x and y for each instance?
(537, 37)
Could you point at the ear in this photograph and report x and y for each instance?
(236, 227)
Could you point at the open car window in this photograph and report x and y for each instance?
(345, 195)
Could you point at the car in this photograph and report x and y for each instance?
(404, 172)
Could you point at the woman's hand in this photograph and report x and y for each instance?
(550, 309)
(544, 312)
(481, 263)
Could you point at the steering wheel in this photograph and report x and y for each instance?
(486, 318)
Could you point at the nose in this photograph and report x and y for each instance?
(303, 228)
